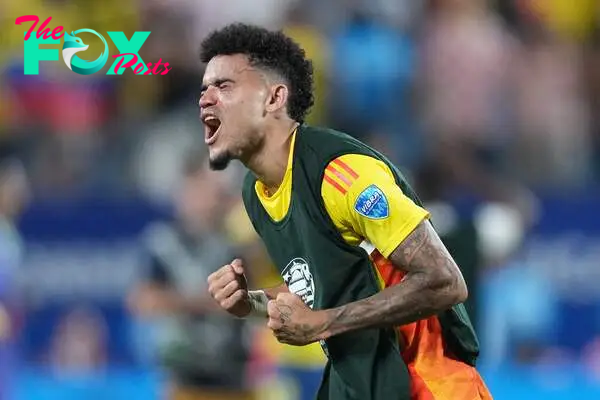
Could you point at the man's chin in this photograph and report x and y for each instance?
(219, 162)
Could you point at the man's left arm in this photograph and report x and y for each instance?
(374, 207)
(432, 284)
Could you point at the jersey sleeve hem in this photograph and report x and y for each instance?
(402, 233)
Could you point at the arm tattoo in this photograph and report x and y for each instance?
(290, 332)
(433, 283)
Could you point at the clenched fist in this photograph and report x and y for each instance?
(293, 322)
(229, 287)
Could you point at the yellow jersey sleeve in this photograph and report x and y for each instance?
(365, 203)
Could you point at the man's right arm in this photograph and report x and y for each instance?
(229, 287)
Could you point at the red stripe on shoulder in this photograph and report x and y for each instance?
(341, 176)
(346, 168)
(334, 183)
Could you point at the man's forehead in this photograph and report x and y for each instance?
(227, 66)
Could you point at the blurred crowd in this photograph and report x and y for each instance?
(506, 88)
(484, 102)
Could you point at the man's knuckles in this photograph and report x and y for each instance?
(288, 298)
(227, 291)
(232, 300)
(272, 310)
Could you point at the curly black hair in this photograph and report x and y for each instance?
(271, 50)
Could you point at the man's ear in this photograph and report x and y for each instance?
(277, 98)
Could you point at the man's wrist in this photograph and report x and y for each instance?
(329, 324)
(258, 303)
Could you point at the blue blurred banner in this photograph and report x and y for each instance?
(82, 256)
(565, 247)
(86, 253)
(505, 384)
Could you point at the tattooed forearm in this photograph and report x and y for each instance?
(432, 284)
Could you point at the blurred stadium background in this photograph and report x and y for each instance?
(492, 109)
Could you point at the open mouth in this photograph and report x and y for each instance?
(212, 125)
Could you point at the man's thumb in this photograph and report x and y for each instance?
(271, 308)
(237, 266)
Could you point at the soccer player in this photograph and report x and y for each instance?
(364, 272)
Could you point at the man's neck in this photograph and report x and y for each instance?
(270, 163)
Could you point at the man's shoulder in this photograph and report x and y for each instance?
(321, 137)
(318, 146)
(349, 176)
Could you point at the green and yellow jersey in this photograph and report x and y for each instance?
(347, 179)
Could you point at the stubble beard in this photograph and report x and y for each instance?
(220, 161)
(244, 152)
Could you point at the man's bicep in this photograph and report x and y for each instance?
(422, 251)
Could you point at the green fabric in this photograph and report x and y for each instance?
(318, 265)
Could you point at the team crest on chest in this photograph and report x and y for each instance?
(299, 280)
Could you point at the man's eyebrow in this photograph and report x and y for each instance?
(216, 82)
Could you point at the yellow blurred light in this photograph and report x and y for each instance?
(572, 19)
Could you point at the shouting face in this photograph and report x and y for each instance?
(234, 106)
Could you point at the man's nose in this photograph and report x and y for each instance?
(208, 98)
